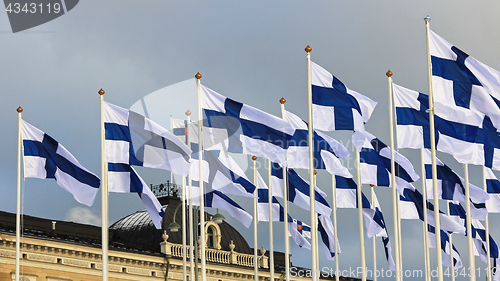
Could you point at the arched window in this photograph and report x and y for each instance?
(211, 237)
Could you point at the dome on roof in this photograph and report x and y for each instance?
(137, 231)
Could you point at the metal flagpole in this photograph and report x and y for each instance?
(425, 223)
(393, 183)
(470, 243)
(104, 195)
(18, 196)
(316, 220)
(334, 195)
(487, 230)
(202, 195)
(184, 247)
(373, 241)
(439, 256)
(255, 247)
(360, 218)
(451, 246)
(314, 228)
(190, 187)
(271, 244)
(171, 130)
(285, 207)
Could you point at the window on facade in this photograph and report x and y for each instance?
(211, 237)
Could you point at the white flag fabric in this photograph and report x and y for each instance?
(239, 128)
(326, 152)
(451, 186)
(327, 236)
(335, 107)
(45, 158)
(375, 166)
(179, 128)
(445, 247)
(132, 139)
(412, 207)
(462, 81)
(493, 188)
(296, 229)
(138, 141)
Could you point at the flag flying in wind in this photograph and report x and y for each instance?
(335, 107)
(445, 247)
(240, 128)
(493, 188)
(327, 234)
(467, 135)
(45, 158)
(296, 228)
(132, 139)
(462, 81)
(326, 150)
(375, 164)
(179, 128)
(346, 192)
(298, 190)
(478, 233)
(452, 187)
(412, 207)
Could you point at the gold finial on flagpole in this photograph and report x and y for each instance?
(308, 49)
(19, 109)
(315, 172)
(254, 158)
(188, 113)
(197, 76)
(371, 185)
(101, 92)
(389, 73)
(282, 100)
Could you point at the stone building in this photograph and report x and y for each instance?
(64, 251)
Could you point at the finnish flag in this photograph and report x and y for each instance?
(335, 107)
(327, 234)
(222, 173)
(467, 135)
(298, 190)
(136, 140)
(326, 152)
(45, 158)
(462, 81)
(375, 166)
(296, 232)
(132, 139)
(445, 247)
(478, 233)
(412, 207)
(239, 128)
(493, 188)
(452, 187)
(346, 193)
(217, 199)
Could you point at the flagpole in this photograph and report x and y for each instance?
(18, 196)
(487, 229)
(184, 247)
(255, 250)
(316, 220)
(424, 227)
(373, 241)
(171, 174)
(285, 207)
(336, 247)
(360, 218)
(393, 183)
(470, 245)
(191, 246)
(201, 183)
(439, 256)
(451, 246)
(270, 210)
(104, 194)
(314, 228)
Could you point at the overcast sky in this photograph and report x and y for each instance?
(251, 51)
